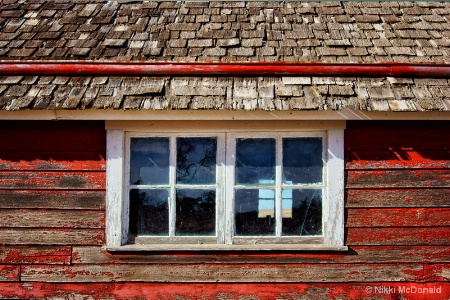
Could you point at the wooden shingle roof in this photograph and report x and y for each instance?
(342, 32)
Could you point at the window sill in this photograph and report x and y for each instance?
(217, 247)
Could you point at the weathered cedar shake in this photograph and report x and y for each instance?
(333, 32)
(396, 240)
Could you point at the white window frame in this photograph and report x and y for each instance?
(220, 173)
(278, 186)
(117, 207)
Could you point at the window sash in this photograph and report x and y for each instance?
(278, 186)
(173, 187)
(225, 179)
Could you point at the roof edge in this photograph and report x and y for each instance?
(345, 114)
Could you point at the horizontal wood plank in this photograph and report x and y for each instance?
(356, 254)
(93, 200)
(52, 180)
(398, 236)
(34, 236)
(397, 135)
(398, 178)
(51, 218)
(145, 290)
(35, 255)
(437, 272)
(214, 126)
(53, 136)
(9, 273)
(422, 197)
(52, 161)
(224, 273)
(405, 159)
(397, 217)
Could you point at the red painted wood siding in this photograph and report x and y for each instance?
(52, 208)
(52, 189)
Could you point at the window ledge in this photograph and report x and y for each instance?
(216, 247)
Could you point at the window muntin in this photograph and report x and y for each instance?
(282, 200)
(174, 188)
(171, 187)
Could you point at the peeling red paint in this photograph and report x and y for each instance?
(52, 180)
(398, 236)
(9, 273)
(397, 197)
(398, 178)
(70, 161)
(226, 291)
(35, 254)
(397, 228)
(165, 68)
(397, 217)
(395, 159)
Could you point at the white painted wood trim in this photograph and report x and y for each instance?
(181, 240)
(219, 247)
(211, 127)
(172, 180)
(334, 205)
(114, 187)
(220, 189)
(333, 209)
(279, 240)
(126, 191)
(230, 162)
(278, 186)
(110, 114)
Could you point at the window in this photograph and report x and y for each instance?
(221, 188)
(275, 186)
(174, 187)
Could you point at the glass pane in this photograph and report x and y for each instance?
(149, 161)
(255, 212)
(302, 160)
(196, 160)
(149, 212)
(302, 212)
(255, 161)
(196, 212)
